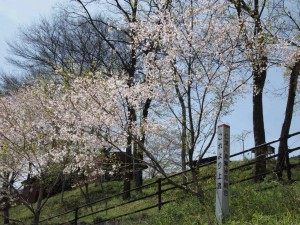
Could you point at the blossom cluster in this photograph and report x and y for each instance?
(192, 60)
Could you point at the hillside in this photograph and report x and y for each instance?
(268, 202)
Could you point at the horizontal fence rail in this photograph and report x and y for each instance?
(161, 182)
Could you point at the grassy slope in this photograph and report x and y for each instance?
(249, 204)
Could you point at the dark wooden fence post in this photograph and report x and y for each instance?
(76, 216)
(159, 193)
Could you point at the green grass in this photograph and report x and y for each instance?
(250, 203)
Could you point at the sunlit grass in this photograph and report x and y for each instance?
(268, 202)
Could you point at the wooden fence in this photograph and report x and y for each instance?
(161, 186)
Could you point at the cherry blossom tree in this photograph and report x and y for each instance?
(33, 136)
(26, 144)
(188, 77)
(182, 70)
(286, 30)
(193, 71)
(251, 16)
(8, 175)
(124, 12)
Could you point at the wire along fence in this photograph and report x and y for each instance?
(161, 192)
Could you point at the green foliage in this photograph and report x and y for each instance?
(187, 210)
(251, 204)
(268, 202)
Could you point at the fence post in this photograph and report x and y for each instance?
(159, 193)
(76, 216)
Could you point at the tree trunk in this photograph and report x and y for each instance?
(131, 119)
(6, 214)
(138, 177)
(196, 182)
(86, 193)
(259, 67)
(6, 207)
(258, 124)
(5, 199)
(138, 171)
(63, 188)
(128, 165)
(184, 132)
(36, 218)
(283, 157)
(37, 211)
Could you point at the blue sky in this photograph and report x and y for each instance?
(274, 110)
(21, 13)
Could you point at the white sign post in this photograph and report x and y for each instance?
(222, 175)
